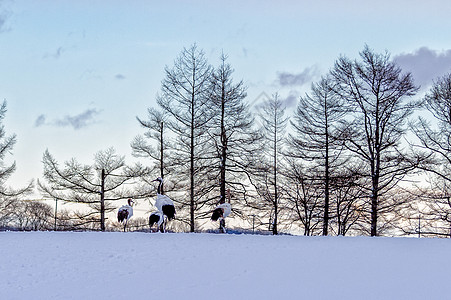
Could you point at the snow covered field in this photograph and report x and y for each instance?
(94, 265)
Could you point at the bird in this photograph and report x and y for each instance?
(222, 211)
(163, 203)
(125, 212)
(158, 218)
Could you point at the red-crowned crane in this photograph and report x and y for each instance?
(164, 204)
(125, 212)
(222, 211)
(156, 218)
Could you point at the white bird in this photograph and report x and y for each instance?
(163, 203)
(158, 218)
(222, 211)
(125, 212)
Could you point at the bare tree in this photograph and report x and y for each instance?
(268, 166)
(184, 97)
(305, 196)
(435, 141)
(33, 215)
(348, 201)
(315, 138)
(436, 213)
(96, 185)
(155, 126)
(8, 195)
(375, 89)
(233, 136)
(231, 128)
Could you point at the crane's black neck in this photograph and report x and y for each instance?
(160, 187)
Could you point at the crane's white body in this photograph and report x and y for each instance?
(162, 200)
(222, 211)
(129, 209)
(125, 212)
(226, 208)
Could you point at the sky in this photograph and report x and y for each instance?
(76, 74)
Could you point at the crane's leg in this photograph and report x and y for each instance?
(125, 225)
(164, 223)
(222, 225)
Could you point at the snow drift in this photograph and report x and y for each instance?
(95, 265)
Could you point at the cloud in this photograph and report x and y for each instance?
(425, 64)
(2, 21)
(288, 102)
(245, 51)
(78, 121)
(39, 121)
(4, 15)
(119, 76)
(299, 79)
(56, 54)
(291, 100)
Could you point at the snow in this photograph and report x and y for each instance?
(116, 265)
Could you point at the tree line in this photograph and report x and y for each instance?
(353, 158)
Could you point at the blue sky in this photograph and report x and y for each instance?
(76, 74)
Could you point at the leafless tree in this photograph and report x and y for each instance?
(348, 201)
(231, 128)
(142, 145)
(435, 142)
(184, 98)
(436, 213)
(305, 195)
(376, 89)
(8, 195)
(96, 185)
(267, 167)
(233, 136)
(34, 215)
(315, 138)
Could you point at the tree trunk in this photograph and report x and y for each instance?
(102, 201)
(374, 206)
(373, 216)
(326, 188)
(276, 196)
(191, 171)
(223, 150)
(161, 155)
(374, 198)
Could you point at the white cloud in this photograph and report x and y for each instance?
(56, 54)
(40, 121)
(4, 15)
(299, 79)
(78, 121)
(425, 64)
